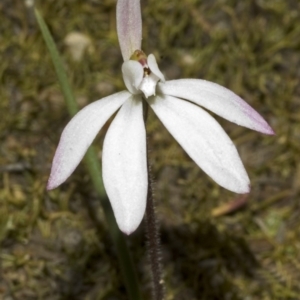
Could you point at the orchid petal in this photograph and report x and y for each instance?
(79, 134)
(129, 26)
(152, 64)
(219, 100)
(204, 140)
(133, 73)
(124, 165)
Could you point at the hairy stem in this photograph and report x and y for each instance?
(153, 239)
(153, 243)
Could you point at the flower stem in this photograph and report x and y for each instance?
(153, 244)
(92, 164)
(152, 233)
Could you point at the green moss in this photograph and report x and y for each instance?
(51, 247)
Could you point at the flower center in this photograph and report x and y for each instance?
(141, 74)
(148, 84)
(141, 57)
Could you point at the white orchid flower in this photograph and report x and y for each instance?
(177, 103)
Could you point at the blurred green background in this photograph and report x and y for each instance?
(215, 244)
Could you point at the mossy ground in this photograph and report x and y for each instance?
(53, 245)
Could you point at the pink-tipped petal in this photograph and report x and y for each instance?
(129, 26)
(219, 100)
(124, 165)
(204, 140)
(79, 134)
(133, 73)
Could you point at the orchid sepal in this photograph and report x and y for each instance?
(129, 26)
